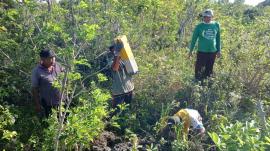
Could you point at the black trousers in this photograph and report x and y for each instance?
(204, 65)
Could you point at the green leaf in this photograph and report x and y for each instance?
(267, 139)
(55, 27)
(56, 84)
(12, 14)
(215, 138)
(90, 31)
(102, 77)
(3, 29)
(82, 62)
(226, 136)
(240, 141)
(9, 134)
(83, 5)
(74, 76)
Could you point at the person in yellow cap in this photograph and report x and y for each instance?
(190, 118)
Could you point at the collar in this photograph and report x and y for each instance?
(44, 68)
(208, 23)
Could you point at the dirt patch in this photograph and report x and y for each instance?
(105, 141)
(126, 146)
(108, 141)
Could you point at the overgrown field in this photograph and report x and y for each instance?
(234, 103)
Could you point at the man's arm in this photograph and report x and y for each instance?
(116, 63)
(194, 39)
(186, 122)
(35, 89)
(35, 94)
(218, 47)
(218, 41)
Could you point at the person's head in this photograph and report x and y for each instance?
(111, 48)
(168, 132)
(173, 120)
(208, 15)
(47, 57)
(199, 130)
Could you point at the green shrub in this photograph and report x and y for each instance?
(241, 136)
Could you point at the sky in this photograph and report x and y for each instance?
(251, 2)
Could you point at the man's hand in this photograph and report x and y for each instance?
(116, 53)
(201, 132)
(218, 54)
(38, 108)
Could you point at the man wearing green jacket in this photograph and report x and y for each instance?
(208, 35)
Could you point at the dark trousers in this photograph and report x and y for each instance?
(122, 98)
(204, 65)
(47, 109)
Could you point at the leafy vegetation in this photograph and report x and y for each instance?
(235, 103)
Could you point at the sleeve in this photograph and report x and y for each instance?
(59, 67)
(218, 38)
(109, 60)
(194, 38)
(62, 69)
(185, 118)
(35, 78)
(109, 64)
(185, 130)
